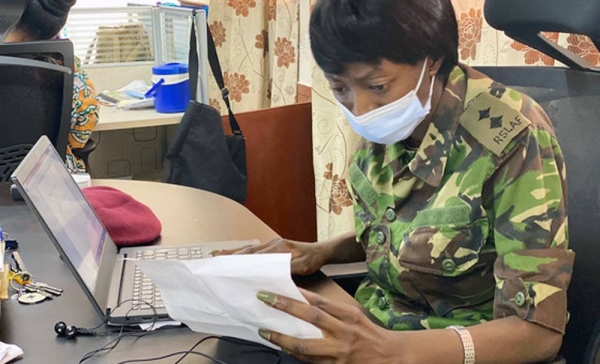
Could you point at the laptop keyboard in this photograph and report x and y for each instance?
(143, 288)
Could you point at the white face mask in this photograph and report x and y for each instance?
(393, 122)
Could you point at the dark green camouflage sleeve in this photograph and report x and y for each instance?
(528, 213)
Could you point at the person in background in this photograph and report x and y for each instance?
(459, 201)
(43, 20)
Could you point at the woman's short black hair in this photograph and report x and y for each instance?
(43, 19)
(343, 32)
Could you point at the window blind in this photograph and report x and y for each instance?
(104, 36)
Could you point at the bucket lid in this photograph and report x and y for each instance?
(170, 69)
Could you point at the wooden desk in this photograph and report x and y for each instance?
(191, 216)
(188, 215)
(111, 118)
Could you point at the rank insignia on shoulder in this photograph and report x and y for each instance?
(492, 122)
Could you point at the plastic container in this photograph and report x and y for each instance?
(171, 87)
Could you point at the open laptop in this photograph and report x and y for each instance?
(102, 271)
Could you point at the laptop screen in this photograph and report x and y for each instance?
(67, 214)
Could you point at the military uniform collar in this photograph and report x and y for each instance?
(430, 160)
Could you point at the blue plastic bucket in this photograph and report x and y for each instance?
(171, 87)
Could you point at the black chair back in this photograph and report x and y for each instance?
(525, 20)
(36, 92)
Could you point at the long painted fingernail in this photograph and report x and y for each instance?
(265, 334)
(214, 252)
(268, 298)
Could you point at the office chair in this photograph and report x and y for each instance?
(84, 154)
(525, 20)
(36, 96)
(571, 97)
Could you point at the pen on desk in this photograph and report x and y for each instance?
(25, 276)
(19, 261)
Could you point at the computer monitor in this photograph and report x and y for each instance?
(36, 93)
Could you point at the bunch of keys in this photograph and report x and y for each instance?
(38, 292)
(31, 291)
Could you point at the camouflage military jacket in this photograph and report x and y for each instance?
(472, 226)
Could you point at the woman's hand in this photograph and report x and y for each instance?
(349, 336)
(307, 258)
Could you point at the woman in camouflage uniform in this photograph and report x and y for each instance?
(459, 200)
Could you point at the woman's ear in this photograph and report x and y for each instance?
(435, 66)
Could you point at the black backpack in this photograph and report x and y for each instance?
(200, 154)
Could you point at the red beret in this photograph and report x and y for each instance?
(128, 221)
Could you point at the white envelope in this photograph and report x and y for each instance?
(218, 295)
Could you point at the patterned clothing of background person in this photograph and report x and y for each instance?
(43, 20)
(84, 117)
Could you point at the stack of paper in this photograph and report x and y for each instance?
(132, 96)
(218, 295)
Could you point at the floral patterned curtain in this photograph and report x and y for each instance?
(334, 140)
(257, 43)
